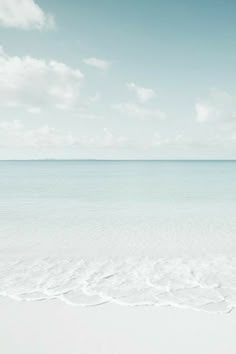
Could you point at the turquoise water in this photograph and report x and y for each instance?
(118, 207)
(119, 181)
(133, 233)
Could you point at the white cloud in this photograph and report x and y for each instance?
(183, 141)
(98, 63)
(95, 98)
(203, 111)
(219, 106)
(34, 110)
(105, 140)
(36, 83)
(137, 111)
(143, 94)
(159, 140)
(24, 14)
(14, 134)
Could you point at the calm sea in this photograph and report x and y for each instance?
(117, 211)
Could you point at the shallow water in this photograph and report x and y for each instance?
(137, 233)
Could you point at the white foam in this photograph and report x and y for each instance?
(207, 285)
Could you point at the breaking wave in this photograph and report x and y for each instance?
(207, 285)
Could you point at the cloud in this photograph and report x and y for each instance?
(143, 94)
(34, 110)
(97, 63)
(216, 141)
(36, 83)
(24, 14)
(159, 140)
(95, 98)
(219, 106)
(137, 111)
(14, 134)
(106, 139)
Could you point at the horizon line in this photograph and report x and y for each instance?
(117, 160)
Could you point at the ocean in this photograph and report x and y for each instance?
(130, 232)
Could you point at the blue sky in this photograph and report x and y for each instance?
(122, 80)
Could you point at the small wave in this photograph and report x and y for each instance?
(206, 285)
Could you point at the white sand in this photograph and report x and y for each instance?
(51, 327)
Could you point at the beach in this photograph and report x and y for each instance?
(51, 327)
(117, 177)
(104, 257)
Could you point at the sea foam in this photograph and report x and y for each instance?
(207, 285)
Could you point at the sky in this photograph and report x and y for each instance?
(128, 79)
